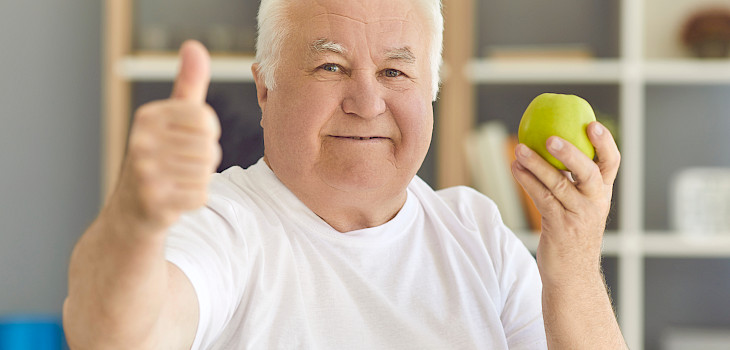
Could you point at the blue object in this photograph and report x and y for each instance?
(31, 332)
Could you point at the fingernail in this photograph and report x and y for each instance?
(523, 150)
(556, 144)
(598, 130)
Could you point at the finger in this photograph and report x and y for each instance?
(556, 183)
(180, 169)
(193, 118)
(586, 175)
(608, 157)
(545, 202)
(193, 78)
(192, 146)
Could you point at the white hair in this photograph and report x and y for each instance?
(274, 26)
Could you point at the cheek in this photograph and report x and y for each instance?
(415, 121)
(298, 115)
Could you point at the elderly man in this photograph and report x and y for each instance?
(330, 241)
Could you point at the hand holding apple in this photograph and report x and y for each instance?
(577, 309)
(573, 208)
(550, 114)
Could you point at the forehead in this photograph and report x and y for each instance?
(386, 23)
(366, 11)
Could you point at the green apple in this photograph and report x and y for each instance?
(561, 115)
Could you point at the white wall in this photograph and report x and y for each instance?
(50, 54)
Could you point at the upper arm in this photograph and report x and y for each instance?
(180, 313)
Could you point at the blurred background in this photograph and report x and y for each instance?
(656, 72)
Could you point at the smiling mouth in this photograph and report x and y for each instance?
(360, 138)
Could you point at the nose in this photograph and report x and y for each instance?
(364, 97)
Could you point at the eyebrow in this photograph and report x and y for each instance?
(325, 45)
(401, 54)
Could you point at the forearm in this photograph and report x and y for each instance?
(578, 315)
(117, 284)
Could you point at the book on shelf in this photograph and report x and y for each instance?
(490, 151)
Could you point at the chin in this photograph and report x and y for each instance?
(362, 177)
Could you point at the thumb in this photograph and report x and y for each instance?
(193, 78)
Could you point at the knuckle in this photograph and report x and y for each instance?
(217, 154)
(145, 170)
(593, 173)
(202, 173)
(213, 152)
(562, 186)
(150, 112)
(617, 158)
(209, 110)
(153, 195)
(142, 143)
(546, 196)
(211, 123)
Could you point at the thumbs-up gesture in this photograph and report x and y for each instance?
(173, 150)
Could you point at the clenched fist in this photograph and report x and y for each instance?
(173, 150)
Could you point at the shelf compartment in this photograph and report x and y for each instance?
(687, 71)
(657, 244)
(486, 71)
(685, 127)
(654, 244)
(156, 68)
(611, 242)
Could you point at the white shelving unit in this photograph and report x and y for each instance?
(686, 72)
(485, 71)
(630, 244)
(146, 68)
(632, 72)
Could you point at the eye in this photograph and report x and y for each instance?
(392, 73)
(331, 67)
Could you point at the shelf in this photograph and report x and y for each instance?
(602, 71)
(680, 245)
(486, 71)
(687, 71)
(655, 244)
(163, 67)
(481, 71)
(611, 242)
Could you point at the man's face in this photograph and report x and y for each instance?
(351, 111)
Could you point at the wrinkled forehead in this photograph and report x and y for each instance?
(387, 23)
(365, 11)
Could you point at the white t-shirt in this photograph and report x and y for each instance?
(444, 273)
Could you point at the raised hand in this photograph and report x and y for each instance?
(577, 309)
(574, 206)
(173, 150)
(123, 294)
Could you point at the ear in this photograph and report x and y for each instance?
(261, 90)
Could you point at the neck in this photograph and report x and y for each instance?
(346, 210)
(349, 213)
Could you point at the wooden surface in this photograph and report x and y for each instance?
(117, 44)
(456, 102)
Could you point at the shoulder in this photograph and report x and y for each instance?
(472, 219)
(234, 192)
(466, 201)
(230, 203)
(472, 208)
